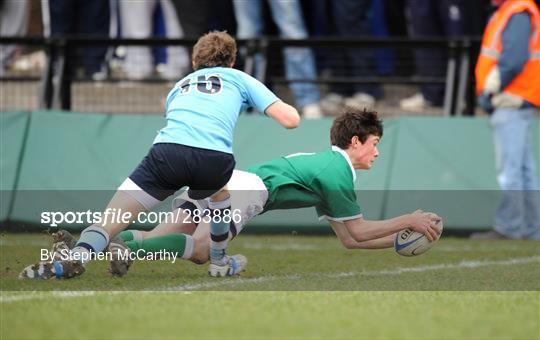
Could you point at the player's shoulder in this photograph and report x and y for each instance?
(330, 157)
(337, 164)
(318, 157)
(232, 75)
(317, 162)
(241, 75)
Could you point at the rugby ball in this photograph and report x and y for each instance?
(411, 243)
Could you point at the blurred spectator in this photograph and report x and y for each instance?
(299, 61)
(82, 18)
(479, 11)
(194, 16)
(508, 85)
(13, 23)
(222, 17)
(384, 57)
(396, 22)
(428, 18)
(395, 17)
(136, 21)
(351, 18)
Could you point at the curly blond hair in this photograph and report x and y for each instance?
(214, 49)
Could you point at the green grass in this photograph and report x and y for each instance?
(248, 315)
(295, 287)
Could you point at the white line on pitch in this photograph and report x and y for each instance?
(395, 271)
(37, 295)
(261, 279)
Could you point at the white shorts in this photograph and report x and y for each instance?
(248, 197)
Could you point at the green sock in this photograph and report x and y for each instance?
(181, 244)
(126, 235)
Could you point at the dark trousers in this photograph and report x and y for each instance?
(351, 19)
(194, 16)
(431, 18)
(84, 18)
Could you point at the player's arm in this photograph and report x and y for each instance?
(264, 100)
(365, 230)
(283, 113)
(350, 243)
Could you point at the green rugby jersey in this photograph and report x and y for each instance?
(324, 180)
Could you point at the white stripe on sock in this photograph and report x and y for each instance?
(137, 235)
(188, 251)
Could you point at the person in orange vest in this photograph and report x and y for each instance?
(508, 87)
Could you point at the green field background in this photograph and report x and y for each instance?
(438, 164)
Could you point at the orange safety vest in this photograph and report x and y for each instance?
(526, 84)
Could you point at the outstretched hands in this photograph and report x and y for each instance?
(426, 223)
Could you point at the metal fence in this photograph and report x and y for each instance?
(55, 82)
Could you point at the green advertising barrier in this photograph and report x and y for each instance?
(13, 129)
(84, 151)
(75, 161)
(445, 165)
(259, 139)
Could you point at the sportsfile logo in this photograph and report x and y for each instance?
(126, 255)
(113, 215)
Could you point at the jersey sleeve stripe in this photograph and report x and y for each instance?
(340, 219)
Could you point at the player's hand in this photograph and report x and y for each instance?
(437, 221)
(425, 223)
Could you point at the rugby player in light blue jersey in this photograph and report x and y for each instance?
(194, 149)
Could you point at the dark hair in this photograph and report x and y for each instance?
(214, 49)
(355, 122)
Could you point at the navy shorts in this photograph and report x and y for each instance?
(169, 167)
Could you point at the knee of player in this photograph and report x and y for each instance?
(221, 195)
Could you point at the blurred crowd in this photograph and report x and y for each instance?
(293, 19)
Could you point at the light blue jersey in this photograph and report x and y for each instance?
(202, 108)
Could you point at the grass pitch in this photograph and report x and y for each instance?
(295, 287)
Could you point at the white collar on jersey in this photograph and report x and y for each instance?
(344, 154)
